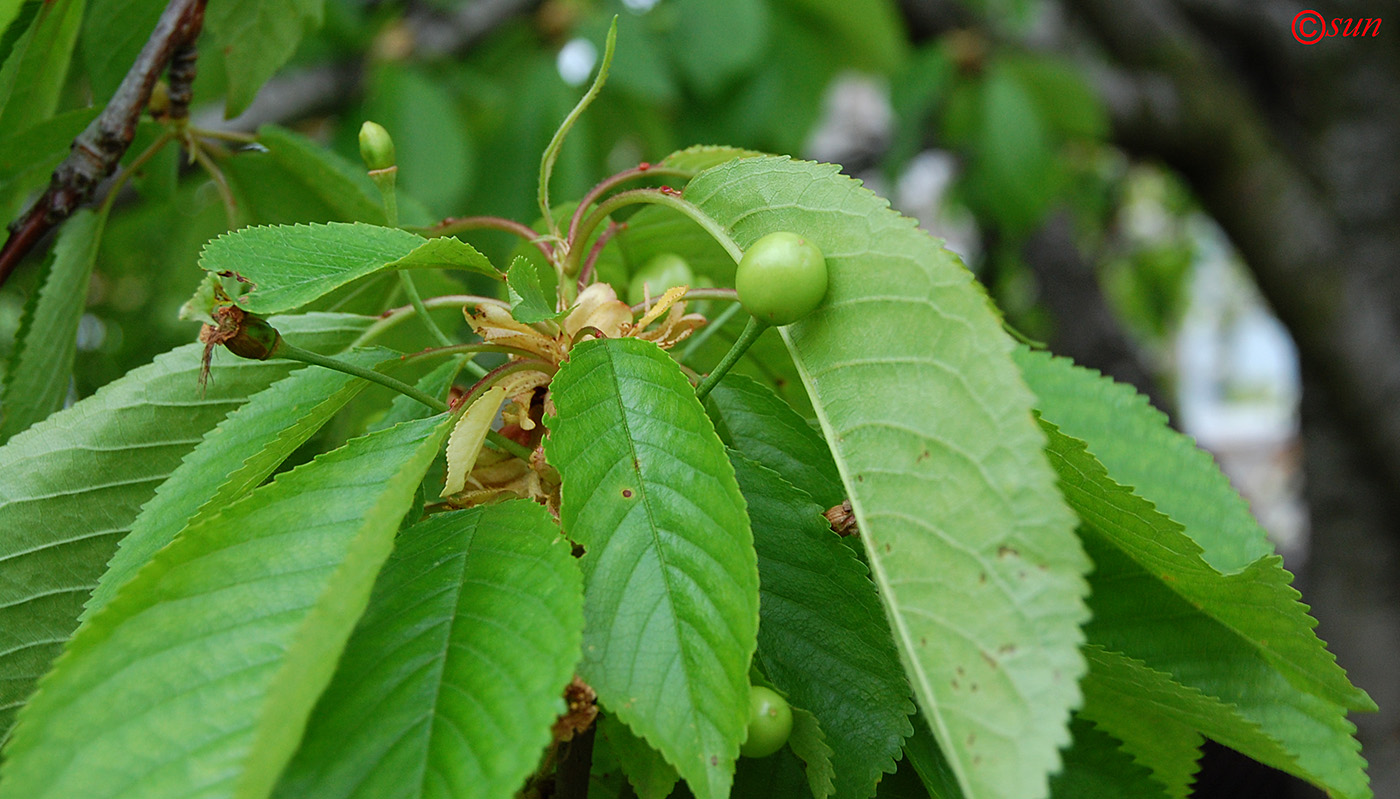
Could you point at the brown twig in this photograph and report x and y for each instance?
(97, 150)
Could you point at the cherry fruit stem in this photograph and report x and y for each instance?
(752, 331)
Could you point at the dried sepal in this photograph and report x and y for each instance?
(468, 436)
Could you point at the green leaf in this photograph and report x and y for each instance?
(922, 754)
(36, 382)
(1258, 606)
(436, 383)
(655, 230)
(256, 37)
(648, 772)
(9, 10)
(1161, 721)
(1136, 612)
(446, 252)
(1012, 166)
(1243, 637)
(778, 775)
(74, 483)
(213, 656)
(33, 74)
(28, 158)
(113, 33)
(450, 683)
(700, 157)
(1133, 441)
(1096, 767)
(868, 33)
(291, 265)
(822, 635)
(716, 41)
(671, 581)
(342, 185)
(529, 301)
(753, 420)
(808, 743)
(233, 459)
(1063, 94)
(968, 540)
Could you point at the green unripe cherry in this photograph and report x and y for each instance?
(663, 272)
(781, 278)
(770, 723)
(376, 146)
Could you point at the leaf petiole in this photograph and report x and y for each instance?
(665, 197)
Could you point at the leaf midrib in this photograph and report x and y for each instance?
(643, 495)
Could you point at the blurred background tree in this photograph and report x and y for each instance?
(1177, 192)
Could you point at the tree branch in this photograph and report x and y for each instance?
(97, 150)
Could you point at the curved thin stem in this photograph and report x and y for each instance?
(136, 164)
(653, 197)
(456, 349)
(406, 280)
(697, 340)
(294, 353)
(609, 183)
(458, 224)
(223, 135)
(729, 295)
(507, 445)
(592, 261)
(752, 331)
(551, 153)
(396, 316)
(221, 183)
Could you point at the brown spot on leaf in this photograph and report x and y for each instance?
(1005, 551)
(991, 661)
(626, 493)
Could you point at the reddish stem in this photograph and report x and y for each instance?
(457, 224)
(586, 273)
(608, 183)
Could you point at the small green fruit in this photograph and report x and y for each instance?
(376, 146)
(781, 278)
(663, 272)
(770, 723)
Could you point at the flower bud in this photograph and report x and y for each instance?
(376, 146)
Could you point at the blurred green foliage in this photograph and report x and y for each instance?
(1028, 134)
